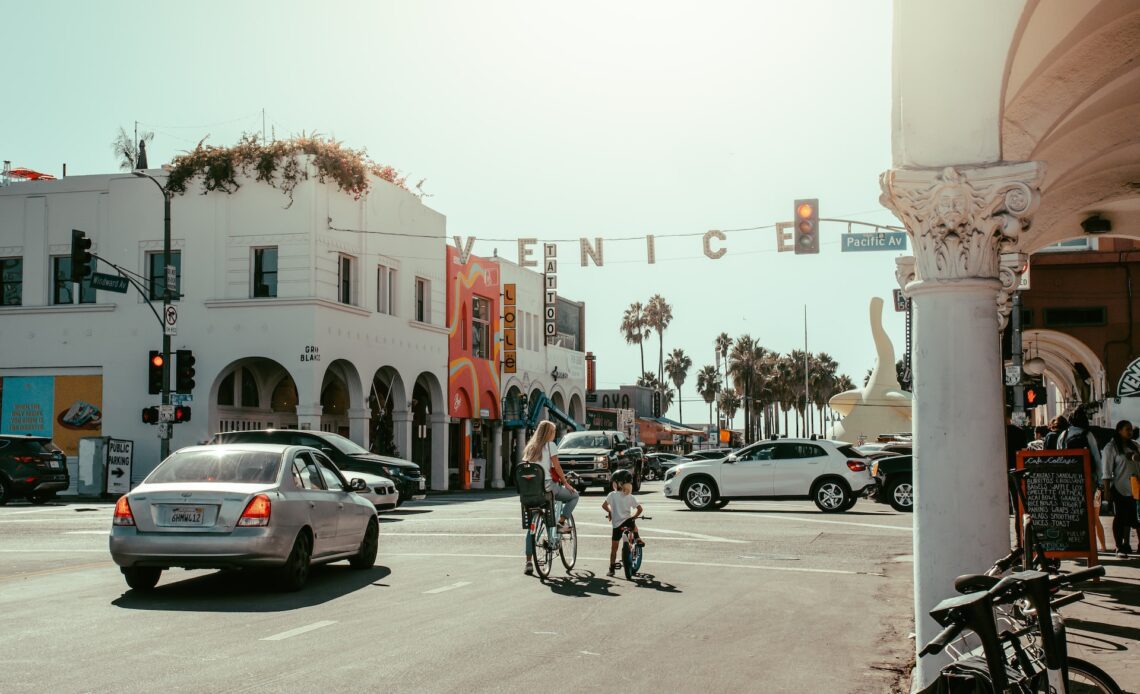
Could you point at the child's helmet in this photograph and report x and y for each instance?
(622, 477)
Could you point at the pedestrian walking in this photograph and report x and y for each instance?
(1038, 442)
(1121, 466)
(1015, 440)
(1077, 437)
(542, 450)
(1057, 427)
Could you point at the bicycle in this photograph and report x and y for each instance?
(1003, 662)
(539, 512)
(632, 553)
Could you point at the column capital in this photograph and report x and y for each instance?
(960, 219)
(904, 271)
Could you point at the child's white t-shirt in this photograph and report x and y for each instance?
(621, 507)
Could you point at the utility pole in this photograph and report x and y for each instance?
(807, 391)
(169, 277)
(1018, 387)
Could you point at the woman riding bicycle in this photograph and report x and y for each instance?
(542, 451)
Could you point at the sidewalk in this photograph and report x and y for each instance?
(1104, 628)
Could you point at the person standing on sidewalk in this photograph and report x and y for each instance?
(1057, 427)
(1120, 465)
(1079, 436)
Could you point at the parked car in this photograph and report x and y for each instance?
(381, 491)
(831, 473)
(895, 476)
(277, 507)
(658, 462)
(594, 455)
(882, 450)
(345, 453)
(31, 467)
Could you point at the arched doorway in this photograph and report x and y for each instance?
(429, 430)
(388, 414)
(340, 395)
(253, 393)
(577, 411)
(513, 437)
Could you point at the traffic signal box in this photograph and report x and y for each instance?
(154, 372)
(80, 256)
(184, 371)
(1035, 395)
(807, 226)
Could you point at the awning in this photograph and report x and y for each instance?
(30, 175)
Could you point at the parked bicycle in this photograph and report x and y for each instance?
(1021, 650)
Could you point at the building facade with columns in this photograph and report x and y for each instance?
(999, 151)
(326, 312)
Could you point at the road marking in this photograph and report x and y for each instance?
(38, 510)
(444, 589)
(70, 519)
(88, 532)
(66, 569)
(299, 630)
(40, 551)
(547, 633)
(832, 522)
(582, 535)
(654, 529)
(787, 569)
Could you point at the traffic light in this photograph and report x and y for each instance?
(80, 256)
(154, 372)
(656, 403)
(181, 414)
(184, 371)
(150, 415)
(807, 226)
(1035, 395)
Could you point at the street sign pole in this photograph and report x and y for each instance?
(164, 441)
(1018, 389)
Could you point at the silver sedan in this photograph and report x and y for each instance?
(243, 505)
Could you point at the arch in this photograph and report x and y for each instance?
(489, 402)
(1062, 353)
(558, 398)
(577, 411)
(388, 413)
(341, 398)
(430, 429)
(247, 394)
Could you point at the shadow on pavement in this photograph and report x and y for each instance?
(841, 514)
(650, 581)
(250, 591)
(580, 584)
(407, 512)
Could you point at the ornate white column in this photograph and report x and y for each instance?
(402, 433)
(439, 430)
(960, 220)
(358, 426)
(497, 456)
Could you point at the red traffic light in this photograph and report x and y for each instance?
(156, 360)
(181, 414)
(805, 210)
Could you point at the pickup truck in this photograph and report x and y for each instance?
(594, 455)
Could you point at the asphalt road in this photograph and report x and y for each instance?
(761, 596)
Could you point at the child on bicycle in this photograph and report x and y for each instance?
(622, 509)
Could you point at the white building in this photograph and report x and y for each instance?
(310, 315)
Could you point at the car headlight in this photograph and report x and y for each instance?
(601, 459)
(670, 474)
(875, 469)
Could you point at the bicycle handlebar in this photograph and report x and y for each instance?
(1067, 599)
(1076, 577)
(943, 638)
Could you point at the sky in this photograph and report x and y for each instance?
(528, 119)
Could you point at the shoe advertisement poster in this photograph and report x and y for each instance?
(65, 408)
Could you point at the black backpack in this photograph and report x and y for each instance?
(530, 480)
(1079, 440)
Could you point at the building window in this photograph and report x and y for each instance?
(63, 291)
(344, 280)
(158, 276)
(226, 390)
(265, 272)
(11, 281)
(249, 394)
(1075, 317)
(386, 290)
(480, 328)
(423, 300)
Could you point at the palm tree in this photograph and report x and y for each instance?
(708, 385)
(658, 315)
(723, 343)
(823, 370)
(649, 380)
(742, 368)
(634, 328)
(729, 404)
(127, 150)
(677, 367)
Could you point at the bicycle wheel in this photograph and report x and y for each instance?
(1086, 678)
(568, 545)
(626, 559)
(635, 554)
(543, 552)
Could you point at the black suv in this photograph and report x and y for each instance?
(593, 455)
(348, 456)
(31, 467)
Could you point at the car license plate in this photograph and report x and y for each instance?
(54, 465)
(186, 515)
(421, 484)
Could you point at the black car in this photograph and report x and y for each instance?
(31, 467)
(895, 476)
(658, 462)
(347, 456)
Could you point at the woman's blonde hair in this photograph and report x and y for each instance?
(543, 434)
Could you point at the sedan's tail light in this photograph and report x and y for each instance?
(123, 515)
(256, 512)
(856, 465)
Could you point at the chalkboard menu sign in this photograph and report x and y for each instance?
(1058, 497)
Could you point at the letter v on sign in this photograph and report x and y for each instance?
(465, 249)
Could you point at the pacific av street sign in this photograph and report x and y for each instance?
(875, 241)
(111, 283)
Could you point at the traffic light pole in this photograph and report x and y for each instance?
(164, 428)
(1019, 386)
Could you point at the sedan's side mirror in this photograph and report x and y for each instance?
(731, 458)
(358, 485)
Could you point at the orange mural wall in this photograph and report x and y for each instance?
(473, 381)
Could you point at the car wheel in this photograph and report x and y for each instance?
(900, 494)
(831, 496)
(141, 577)
(637, 482)
(366, 558)
(699, 494)
(41, 498)
(293, 575)
(5, 491)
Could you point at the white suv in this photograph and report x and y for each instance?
(831, 473)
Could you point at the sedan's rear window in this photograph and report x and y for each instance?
(253, 467)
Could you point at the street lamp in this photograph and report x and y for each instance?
(164, 431)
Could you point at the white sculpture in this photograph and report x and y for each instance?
(881, 406)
